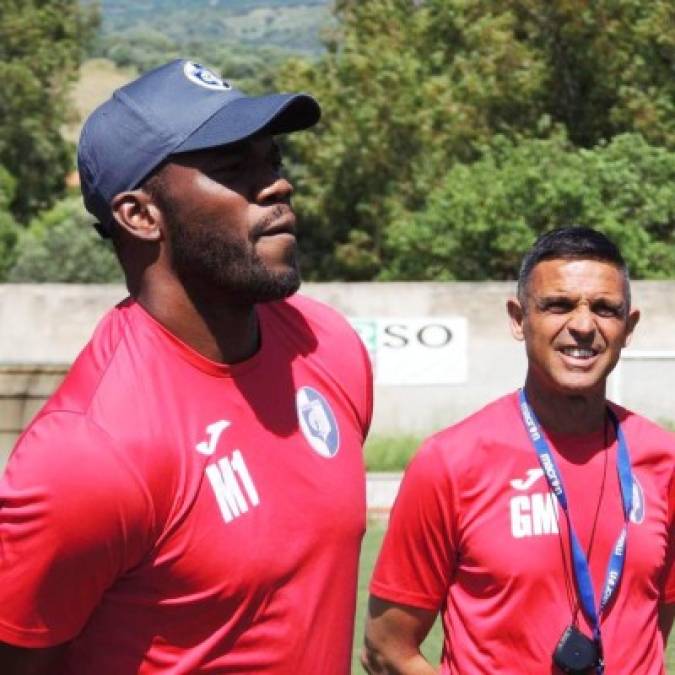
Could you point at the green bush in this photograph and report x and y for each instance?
(9, 231)
(60, 245)
(483, 217)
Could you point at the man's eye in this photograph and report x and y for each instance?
(231, 169)
(607, 310)
(557, 307)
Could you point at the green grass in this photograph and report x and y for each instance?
(371, 546)
(390, 453)
(432, 646)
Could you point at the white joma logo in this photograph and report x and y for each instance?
(533, 475)
(213, 430)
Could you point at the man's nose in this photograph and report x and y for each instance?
(582, 321)
(278, 189)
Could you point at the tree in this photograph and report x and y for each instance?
(412, 89)
(9, 231)
(405, 92)
(480, 221)
(609, 65)
(41, 44)
(61, 245)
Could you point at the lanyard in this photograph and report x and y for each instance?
(582, 573)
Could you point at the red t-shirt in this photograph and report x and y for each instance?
(476, 534)
(169, 514)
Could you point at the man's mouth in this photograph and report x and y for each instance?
(579, 352)
(282, 224)
(279, 228)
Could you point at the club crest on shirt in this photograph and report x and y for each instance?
(317, 422)
(637, 513)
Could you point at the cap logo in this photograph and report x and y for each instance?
(201, 75)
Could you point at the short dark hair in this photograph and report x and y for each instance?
(571, 243)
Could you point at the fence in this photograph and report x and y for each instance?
(453, 337)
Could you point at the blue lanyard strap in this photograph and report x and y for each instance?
(582, 574)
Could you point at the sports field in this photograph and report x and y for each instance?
(432, 646)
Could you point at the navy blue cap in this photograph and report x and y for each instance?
(179, 107)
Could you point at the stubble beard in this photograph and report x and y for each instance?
(211, 259)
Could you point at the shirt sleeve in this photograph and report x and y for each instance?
(417, 560)
(74, 516)
(668, 593)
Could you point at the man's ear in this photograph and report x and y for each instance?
(516, 316)
(631, 322)
(138, 214)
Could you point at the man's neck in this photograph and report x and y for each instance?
(559, 412)
(222, 331)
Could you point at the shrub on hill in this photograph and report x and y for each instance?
(61, 245)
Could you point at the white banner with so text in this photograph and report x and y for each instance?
(415, 350)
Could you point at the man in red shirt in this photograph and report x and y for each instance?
(541, 527)
(192, 499)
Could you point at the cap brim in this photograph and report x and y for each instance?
(247, 116)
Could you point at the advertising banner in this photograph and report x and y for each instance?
(416, 350)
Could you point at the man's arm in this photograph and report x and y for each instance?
(394, 633)
(666, 617)
(23, 661)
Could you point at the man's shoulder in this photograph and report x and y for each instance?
(81, 448)
(90, 423)
(489, 422)
(323, 343)
(93, 365)
(54, 425)
(468, 441)
(645, 435)
(313, 325)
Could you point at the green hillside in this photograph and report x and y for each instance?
(289, 25)
(245, 40)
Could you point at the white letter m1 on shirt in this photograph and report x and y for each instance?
(227, 477)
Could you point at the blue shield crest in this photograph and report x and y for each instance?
(317, 422)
